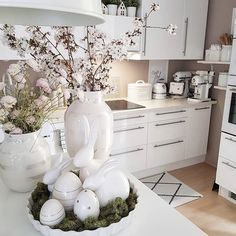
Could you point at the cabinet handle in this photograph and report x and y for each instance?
(167, 144)
(129, 118)
(145, 35)
(230, 139)
(172, 123)
(171, 112)
(122, 153)
(185, 36)
(228, 164)
(126, 130)
(202, 108)
(233, 90)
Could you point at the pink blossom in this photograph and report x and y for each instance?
(66, 93)
(62, 80)
(44, 85)
(30, 120)
(8, 102)
(16, 131)
(63, 73)
(41, 101)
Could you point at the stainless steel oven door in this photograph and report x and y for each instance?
(229, 119)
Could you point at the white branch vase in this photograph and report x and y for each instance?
(94, 109)
(24, 159)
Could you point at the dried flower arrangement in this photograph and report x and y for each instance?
(65, 63)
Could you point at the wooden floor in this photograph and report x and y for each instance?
(213, 214)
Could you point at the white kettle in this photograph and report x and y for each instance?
(159, 91)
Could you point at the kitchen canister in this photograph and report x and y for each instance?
(140, 91)
(226, 53)
(223, 79)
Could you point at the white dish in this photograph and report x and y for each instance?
(112, 229)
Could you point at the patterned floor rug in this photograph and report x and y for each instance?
(171, 189)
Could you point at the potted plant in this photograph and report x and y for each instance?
(132, 6)
(112, 6)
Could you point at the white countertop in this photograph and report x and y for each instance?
(153, 217)
(150, 105)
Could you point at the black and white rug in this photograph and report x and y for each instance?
(173, 191)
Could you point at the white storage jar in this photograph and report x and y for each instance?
(140, 91)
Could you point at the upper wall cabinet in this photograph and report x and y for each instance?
(190, 16)
(115, 26)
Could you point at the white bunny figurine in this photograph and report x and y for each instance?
(108, 183)
(84, 158)
(52, 175)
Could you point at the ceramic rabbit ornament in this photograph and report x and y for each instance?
(108, 183)
(84, 158)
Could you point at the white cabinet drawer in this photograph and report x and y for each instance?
(228, 147)
(130, 136)
(167, 115)
(130, 119)
(165, 153)
(132, 159)
(226, 174)
(166, 130)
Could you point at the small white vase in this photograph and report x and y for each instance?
(24, 159)
(112, 9)
(131, 11)
(94, 109)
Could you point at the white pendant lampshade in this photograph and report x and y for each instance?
(51, 12)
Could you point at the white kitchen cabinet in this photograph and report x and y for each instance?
(129, 136)
(158, 44)
(116, 26)
(164, 153)
(228, 147)
(196, 16)
(190, 16)
(226, 174)
(166, 130)
(198, 131)
(132, 159)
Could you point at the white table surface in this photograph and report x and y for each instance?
(153, 216)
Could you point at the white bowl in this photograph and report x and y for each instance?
(112, 229)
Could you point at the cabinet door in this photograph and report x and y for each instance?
(116, 26)
(196, 16)
(158, 44)
(198, 130)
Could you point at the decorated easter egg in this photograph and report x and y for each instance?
(86, 205)
(52, 213)
(66, 189)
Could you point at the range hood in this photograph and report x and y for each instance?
(51, 12)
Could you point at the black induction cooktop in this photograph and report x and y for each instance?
(118, 105)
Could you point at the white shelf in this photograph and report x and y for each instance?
(214, 62)
(220, 88)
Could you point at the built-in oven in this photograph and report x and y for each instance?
(229, 119)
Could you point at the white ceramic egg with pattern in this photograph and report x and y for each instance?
(86, 205)
(52, 213)
(66, 189)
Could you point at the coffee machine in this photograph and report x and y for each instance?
(180, 88)
(202, 82)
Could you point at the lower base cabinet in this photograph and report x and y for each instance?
(226, 174)
(132, 159)
(165, 153)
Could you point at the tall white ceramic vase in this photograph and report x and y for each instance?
(24, 159)
(94, 109)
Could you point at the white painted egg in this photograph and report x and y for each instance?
(52, 213)
(86, 205)
(66, 189)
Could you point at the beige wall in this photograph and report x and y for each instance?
(123, 72)
(219, 22)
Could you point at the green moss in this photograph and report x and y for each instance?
(112, 213)
(39, 196)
